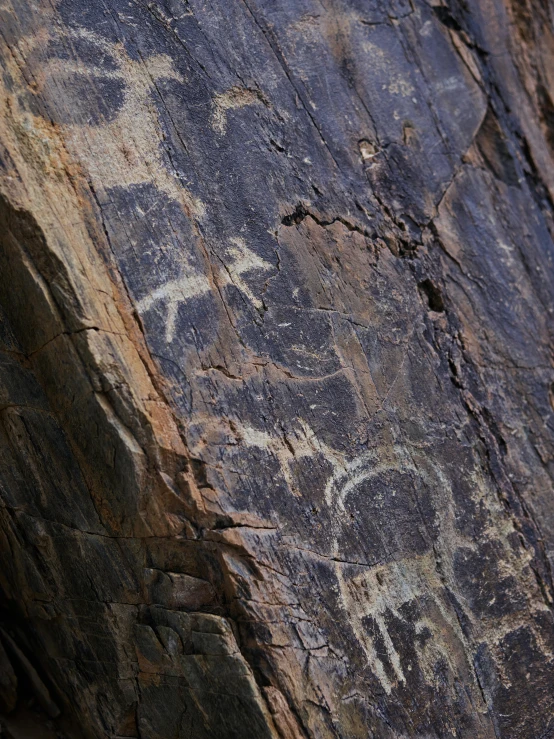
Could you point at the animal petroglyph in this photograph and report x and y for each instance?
(126, 150)
(173, 293)
(303, 444)
(365, 590)
(243, 260)
(194, 284)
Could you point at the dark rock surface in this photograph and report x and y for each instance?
(276, 369)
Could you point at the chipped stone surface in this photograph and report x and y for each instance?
(276, 378)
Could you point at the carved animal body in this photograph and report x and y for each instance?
(276, 440)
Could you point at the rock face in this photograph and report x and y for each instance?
(276, 369)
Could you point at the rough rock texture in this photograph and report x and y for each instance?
(276, 369)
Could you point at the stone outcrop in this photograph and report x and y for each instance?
(276, 369)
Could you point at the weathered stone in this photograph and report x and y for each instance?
(276, 377)
(8, 683)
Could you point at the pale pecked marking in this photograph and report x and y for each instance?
(236, 97)
(361, 593)
(174, 293)
(127, 150)
(195, 284)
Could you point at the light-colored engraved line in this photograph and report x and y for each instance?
(236, 97)
(336, 491)
(305, 444)
(195, 284)
(126, 150)
(275, 447)
(361, 595)
(244, 260)
(174, 293)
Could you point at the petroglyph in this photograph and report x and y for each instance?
(359, 596)
(380, 592)
(367, 591)
(304, 444)
(173, 293)
(124, 151)
(375, 591)
(243, 260)
(236, 97)
(373, 594)
(194, 284)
